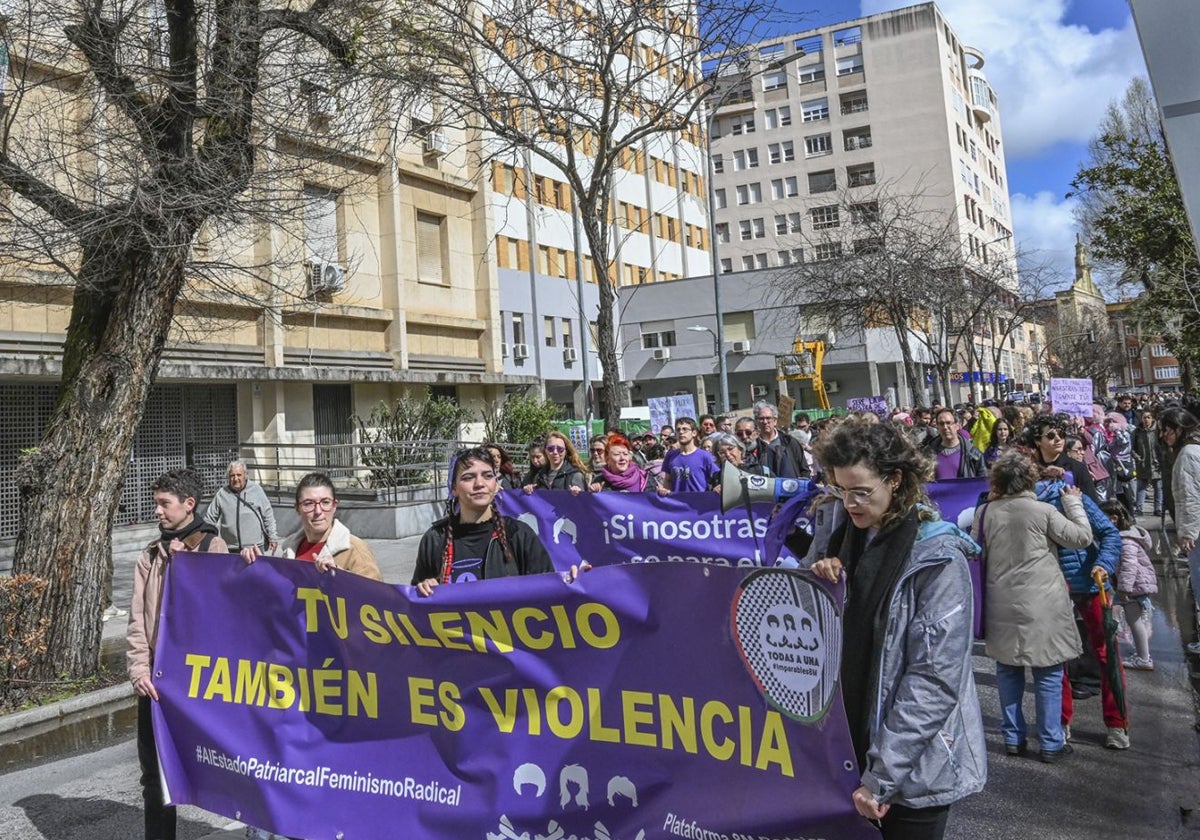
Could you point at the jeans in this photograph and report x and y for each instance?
(1194, 573)
(1142, 484)
(1047, 693)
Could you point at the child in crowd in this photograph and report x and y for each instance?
(1136, 582)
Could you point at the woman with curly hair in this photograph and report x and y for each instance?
(907, 681)
(473, 541)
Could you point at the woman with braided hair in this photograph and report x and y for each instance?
(473, 541)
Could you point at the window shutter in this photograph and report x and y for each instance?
(429, 248)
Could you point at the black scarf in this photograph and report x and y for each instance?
(872, 572)
(197, 524)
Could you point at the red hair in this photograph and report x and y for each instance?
(616, 440)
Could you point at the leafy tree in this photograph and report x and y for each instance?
(520, 419)
(604, 94)
(1133, 212)
(130, 127)
(405, 439)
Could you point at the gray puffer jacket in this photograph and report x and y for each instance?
(927, 743)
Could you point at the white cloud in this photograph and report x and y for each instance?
(1045, 233)
(1053, 79)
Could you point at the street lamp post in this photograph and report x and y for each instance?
(719, 335)
(717, 346)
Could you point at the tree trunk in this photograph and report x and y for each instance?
(614, 394)
(70, 486)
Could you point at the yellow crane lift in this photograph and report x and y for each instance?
(805, 362)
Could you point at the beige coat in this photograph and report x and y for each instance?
(1029, 619)
(348, 551)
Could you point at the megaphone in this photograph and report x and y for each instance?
(739, 487)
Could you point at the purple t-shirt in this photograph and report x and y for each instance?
(947, 463)
(691, 473)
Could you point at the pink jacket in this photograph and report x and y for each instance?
(1135, 572)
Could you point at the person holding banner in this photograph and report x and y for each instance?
(688, 469)
(176, 495)
(322, 540)
(473, 541)
(1047, 439)
(907, 681)
(619, 472)
(563, 470)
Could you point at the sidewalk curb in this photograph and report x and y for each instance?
(109, 699)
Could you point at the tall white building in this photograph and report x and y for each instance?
(892, 99)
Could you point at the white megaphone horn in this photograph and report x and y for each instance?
(739, 487)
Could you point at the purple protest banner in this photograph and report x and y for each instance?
(335, 706)
(608, 528)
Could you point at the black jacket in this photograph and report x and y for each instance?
(785, 460)
(529, 555)
(568, 476)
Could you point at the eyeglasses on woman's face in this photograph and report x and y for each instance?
(309, 505)
(1053, 434)
(854, 496)
(554, 448)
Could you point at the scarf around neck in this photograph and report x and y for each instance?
(197, 524)
(632, 480)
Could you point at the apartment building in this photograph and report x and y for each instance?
(1149, 364)
(376, 281)
(826, 121)
(659, 209)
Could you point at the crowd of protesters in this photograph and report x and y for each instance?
(1057, 531)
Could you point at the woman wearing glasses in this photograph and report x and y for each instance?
(1047, 439)
(907, 682)
(322, 539)
(563, 469)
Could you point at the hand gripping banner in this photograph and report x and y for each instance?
(642, 701)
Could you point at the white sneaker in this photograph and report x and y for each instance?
(1066, 732)
(1136, 663)
(113, 612)
(1194, 647)
(1116, 739)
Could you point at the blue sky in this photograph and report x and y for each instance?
(1055, 65)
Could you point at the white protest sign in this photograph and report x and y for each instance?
(1073, 396)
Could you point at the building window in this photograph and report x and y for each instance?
(431, 234)
(781, 152)
(568, 339)
(657, 334)
(1132, 352)
(791, 256)
(1159, 350)
(812, 73)
(744, 229)
(859, 138)
(1130, 329)
(1166, 372)
(866, 212)
(787, 223)
(742, 125)
(320, 225)
(827, 251)
(825, 217)
(785, 187)
(817, 145)
(518, 328)
(748, 262)
(549, 332)
(719, 198)
(745, 159)
(777, 117)
(726, 265)
(862, 175)
(718, 163)
(759, 226)
(775, 80)
(820, 182)
(817, 109)
(749, 193)
(723, 232)
(849, 64)
(854, 103)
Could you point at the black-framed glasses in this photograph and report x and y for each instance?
(745, 433)
(1053, 435)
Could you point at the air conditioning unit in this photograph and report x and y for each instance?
(831, 386)
(662, 354)
(570, 354)
(758, 392)
(436, 143)
(741, 347)
(325, 276)
(520, 351)
(504, 349)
